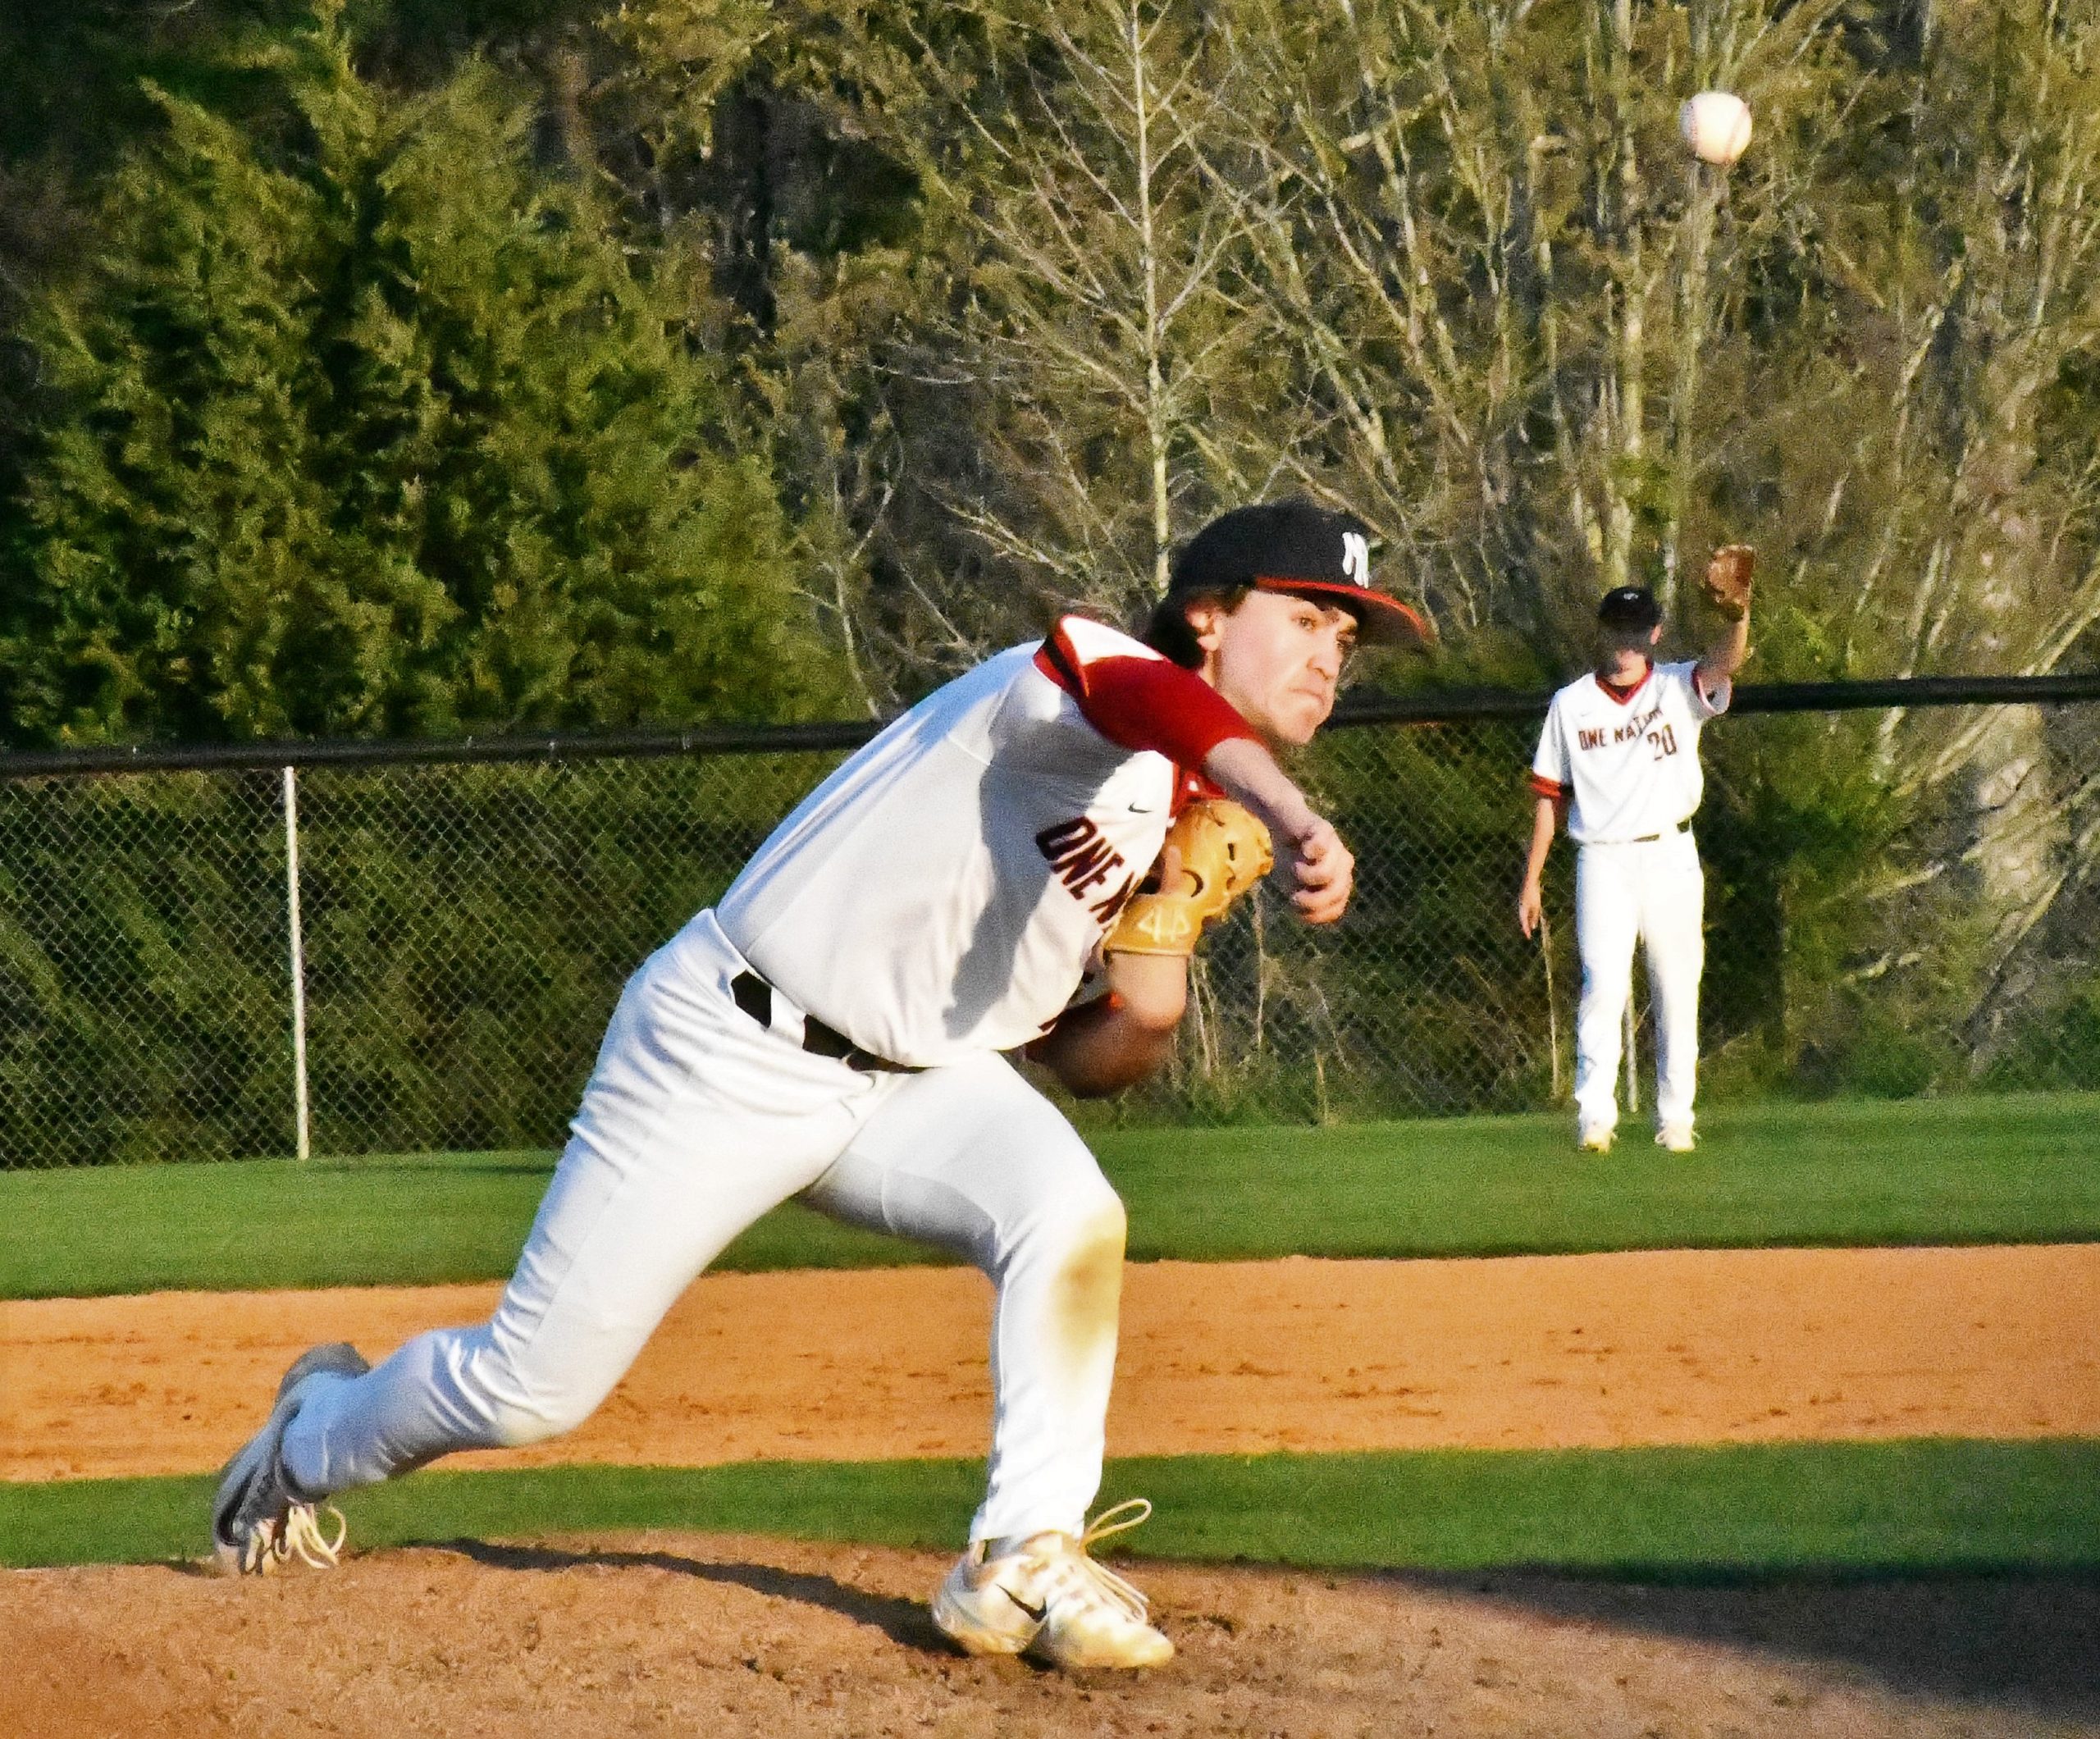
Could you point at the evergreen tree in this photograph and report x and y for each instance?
(810, 146)
(366, 424)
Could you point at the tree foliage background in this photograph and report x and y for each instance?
(996, 301)
(400, 367)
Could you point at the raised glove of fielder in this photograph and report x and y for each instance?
(1224, 850)
(1727, 580)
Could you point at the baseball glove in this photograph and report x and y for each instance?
(1727, 580)
(1224, 850)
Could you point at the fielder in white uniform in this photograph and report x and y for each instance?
(838, 1028)
(1619, 756)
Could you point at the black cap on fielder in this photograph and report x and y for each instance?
(1297, 547)
(1629, 607)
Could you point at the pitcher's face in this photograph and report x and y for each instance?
(1278, 658)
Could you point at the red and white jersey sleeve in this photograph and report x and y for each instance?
(942, 892)
(1134, 697)
(1627, 765)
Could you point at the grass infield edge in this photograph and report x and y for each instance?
(1922, 1506)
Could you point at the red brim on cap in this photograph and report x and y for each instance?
(1383, 620)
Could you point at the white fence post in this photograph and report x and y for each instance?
(298, 960)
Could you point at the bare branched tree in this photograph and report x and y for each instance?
(1098, 351)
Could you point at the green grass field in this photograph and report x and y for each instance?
(1744, 1511)
(2018, 1169)
(1996, 1169)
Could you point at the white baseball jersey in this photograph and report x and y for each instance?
(1626, 763)
(942, 892)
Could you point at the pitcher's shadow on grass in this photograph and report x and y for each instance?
(2028, 1638)
(906, 1623)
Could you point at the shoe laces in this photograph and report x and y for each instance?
(300, 1535)
(1097, 1580)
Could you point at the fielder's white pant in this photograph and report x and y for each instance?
(696, 1121)
(1654, 891)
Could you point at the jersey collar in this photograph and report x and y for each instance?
(1624, 695)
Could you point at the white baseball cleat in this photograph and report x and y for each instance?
(1594, 1137)
(1050, 1599)
(259, 1521)
(1676, 1137)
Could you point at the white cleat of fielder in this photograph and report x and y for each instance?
(1596, 1137)
(1676, 1137)
(1047, 1598)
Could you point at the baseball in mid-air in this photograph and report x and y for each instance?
(1716, 124)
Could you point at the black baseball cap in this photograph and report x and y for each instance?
(1629, 607)
(1298, 547)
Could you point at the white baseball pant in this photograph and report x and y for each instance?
(696, 1121)
(1652, 891)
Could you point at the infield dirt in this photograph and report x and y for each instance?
(664, 1633)
(680, 1634)
(1656, 1347)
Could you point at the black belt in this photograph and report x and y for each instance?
(1650, 838)
(754, 996)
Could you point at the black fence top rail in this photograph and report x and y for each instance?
(351, 751)
(1451, 704)
(1442, 706)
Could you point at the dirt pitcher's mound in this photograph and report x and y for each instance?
(680, 1634)
(1657, 1346)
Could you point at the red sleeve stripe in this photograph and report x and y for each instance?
(1546, 787)
(1054, 660)
(1143, 701)
(1052, 665)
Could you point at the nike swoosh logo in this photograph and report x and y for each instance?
(1142, 808)
(1035, 1613)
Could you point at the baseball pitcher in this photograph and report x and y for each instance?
(1021, 864)
(1619, 756)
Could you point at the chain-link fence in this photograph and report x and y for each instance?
(365, 954)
